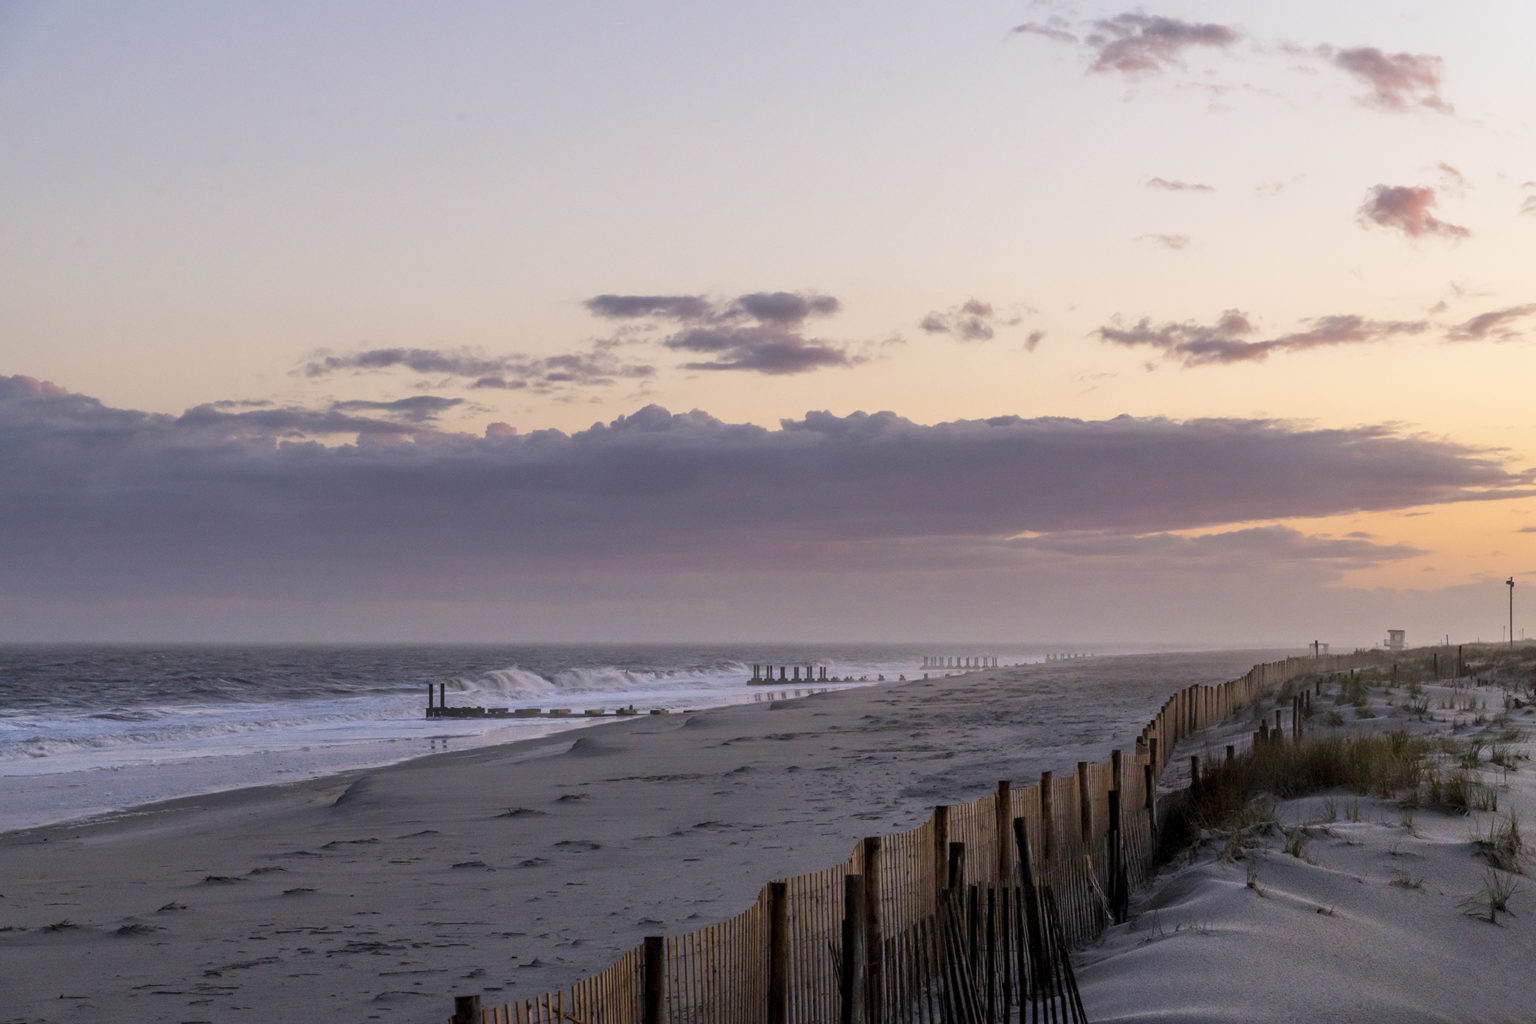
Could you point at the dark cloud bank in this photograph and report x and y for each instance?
(96, 501)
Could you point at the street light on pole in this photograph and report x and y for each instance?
(1511, 584)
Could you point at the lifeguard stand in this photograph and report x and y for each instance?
(1396, 639)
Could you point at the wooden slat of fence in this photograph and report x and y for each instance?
(815, 925)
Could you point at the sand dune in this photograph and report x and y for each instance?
(1377, 913)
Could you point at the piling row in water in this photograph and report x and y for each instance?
(979, 661)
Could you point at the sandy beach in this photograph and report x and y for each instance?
(515, 869)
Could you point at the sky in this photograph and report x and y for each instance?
(1201, 323)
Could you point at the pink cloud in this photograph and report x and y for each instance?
(1406, 208)
(1136, 44)
(1496, 323)
(28, 387)
(1398, 81)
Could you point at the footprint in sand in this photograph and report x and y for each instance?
(522, 812)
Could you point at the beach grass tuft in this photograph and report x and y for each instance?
(1493, 898)
(1504, 847)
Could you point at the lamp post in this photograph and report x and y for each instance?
(1511, 584)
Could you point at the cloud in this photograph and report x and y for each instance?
(1406, 208)
(1496, 323)
(972, 320)
(1528, 205)
(598, 367)
(786, 308)
(1270, 189)
(1033, 340)
(209, 420)
(765, 348)
(1450, 177)
(1136, 44)
(1055, 29)
(421, 360)
(242, 403)
(757, 331)
(1229, 339)
(99, 501)
(1399, 81)
(1178, 186)
(672, 307)
(1166, 241)
(416, 409)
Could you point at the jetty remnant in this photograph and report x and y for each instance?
(762, 675)
(963, 663)
(440, 709)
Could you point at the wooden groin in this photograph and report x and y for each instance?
(960, 663)
(789, 675)
(965, 918)
(439, 708)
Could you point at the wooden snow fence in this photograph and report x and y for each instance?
(944, 922)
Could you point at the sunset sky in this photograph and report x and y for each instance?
(1197, 323)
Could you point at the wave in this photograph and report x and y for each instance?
(517, 683)
(143, 730)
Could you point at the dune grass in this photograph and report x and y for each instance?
(1236, 798)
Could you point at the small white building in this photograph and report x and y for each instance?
(1396, 639)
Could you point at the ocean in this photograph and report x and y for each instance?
(89, 730)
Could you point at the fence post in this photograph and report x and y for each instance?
(1149, 785)
(1119, 890)
(940, 850)
(954, 872)
(655, 979)
(851, 1001)
(778, 953)
(1032, 922)
(1002, 819)
(874, 966)
(1047, 822)
(466, 1010)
